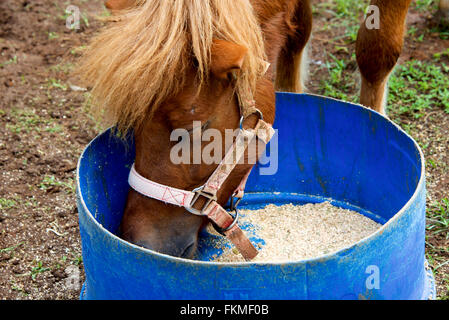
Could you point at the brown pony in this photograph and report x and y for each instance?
(166, 64)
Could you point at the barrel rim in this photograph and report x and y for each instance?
(319, 259)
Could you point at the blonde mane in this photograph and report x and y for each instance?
(135, 64)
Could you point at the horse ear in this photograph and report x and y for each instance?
(226, 57)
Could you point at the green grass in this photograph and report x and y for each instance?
(432, 6)
(7, 203)
(438, 218)
(443, 34)
(37, 269)
(438, 226)
(425, 5)
(18, 288)
(347, 14)
(25, 120)
(66, 68)
(52, 35)
(56, 84)
(78, 260)
(85, 19)
(13, 60)
(55, 129)
(10, 249)
(77, 51)
(440, 55)
(446, 295)
(339, 82)
(50, 181)
(416, 86)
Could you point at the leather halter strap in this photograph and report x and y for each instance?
(212, 209)
(263, 131)
(158, 191)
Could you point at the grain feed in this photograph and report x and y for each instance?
(298, 232)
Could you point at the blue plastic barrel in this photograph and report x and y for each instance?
(328, 150)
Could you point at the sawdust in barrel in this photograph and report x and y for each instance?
(297, 232)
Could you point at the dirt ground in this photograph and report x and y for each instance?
(45, 124)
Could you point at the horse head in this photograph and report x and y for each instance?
(171, 229)
(173, 66)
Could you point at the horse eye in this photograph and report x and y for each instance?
(204, 126)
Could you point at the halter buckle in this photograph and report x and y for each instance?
(198, 193)
(223, 230)
(243, 118)
(235, 202)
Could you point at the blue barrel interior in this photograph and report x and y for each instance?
(328, 150)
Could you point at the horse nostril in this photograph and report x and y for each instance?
(189, 251)
(175, 251)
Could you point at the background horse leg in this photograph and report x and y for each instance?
(291, 64)
(442, 15)
(378, 50)
(116, 5)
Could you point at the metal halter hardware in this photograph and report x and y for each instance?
(235, 202)
(243, 118)
(198, 193)
(223, 230)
